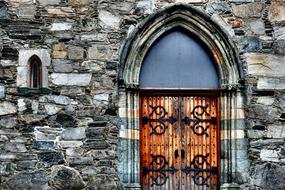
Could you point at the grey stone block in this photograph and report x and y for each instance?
(51, 158)
(43, 145)
(2, 91)
(36, 180)
(75, 52)
(73, 133)
(63, 177)
(49, 2)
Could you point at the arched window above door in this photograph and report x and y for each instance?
(178, 59)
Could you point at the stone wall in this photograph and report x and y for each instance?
(65, 136)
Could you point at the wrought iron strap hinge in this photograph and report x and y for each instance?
(197, 113)
(197, 128)
(159, 168)
(212, 170)
(161, 126)
(171, 120)
(187, 120)
(197, 170)
(171, 170)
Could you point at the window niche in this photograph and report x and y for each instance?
(32, 72)
(35, 72)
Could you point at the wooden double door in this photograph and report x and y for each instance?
(179, 146)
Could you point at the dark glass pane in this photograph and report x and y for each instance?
(179, 60)
(35, 72)
(35, 75)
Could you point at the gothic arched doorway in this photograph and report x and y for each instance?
(219, 86)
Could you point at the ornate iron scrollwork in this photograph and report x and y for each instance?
(197, 128)
(160, 128)
(159, 169)
(197, 170)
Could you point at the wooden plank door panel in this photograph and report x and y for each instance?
(160, 138)
(179, 142)
(200, 142)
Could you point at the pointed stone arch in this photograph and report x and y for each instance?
(35, 72)
(192, 20)
(230, 72)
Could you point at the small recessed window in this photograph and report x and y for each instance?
(35, 72)
(32, 71)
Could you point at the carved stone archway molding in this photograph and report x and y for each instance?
(230, 71)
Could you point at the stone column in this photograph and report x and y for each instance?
(234, 162)
(128, 153)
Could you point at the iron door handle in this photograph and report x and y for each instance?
(176, 154)
(182, 153)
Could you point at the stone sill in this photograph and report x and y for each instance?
(230, 186)
(30, 91)
(132, 186)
